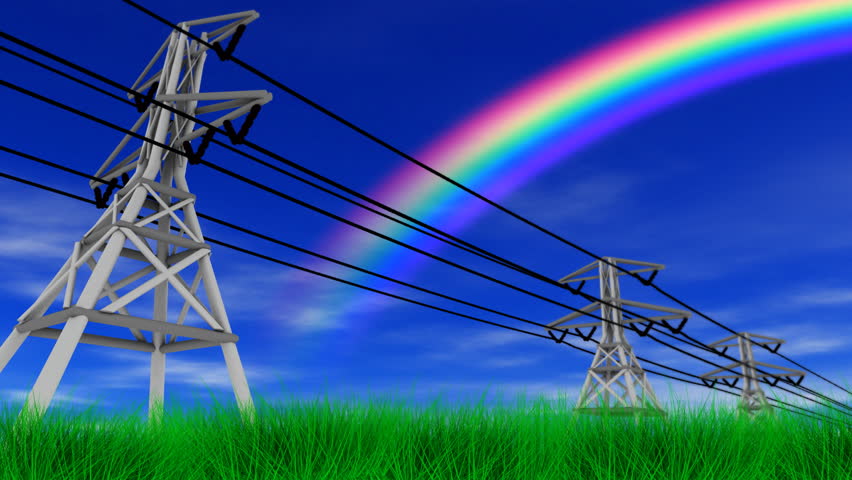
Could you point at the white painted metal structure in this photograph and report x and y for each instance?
(753, 400)
(168, 198)
(615, 366)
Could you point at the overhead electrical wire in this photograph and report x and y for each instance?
(106, 123)
(265, 237)
(422, 165)
(491, 256)
(810, 414)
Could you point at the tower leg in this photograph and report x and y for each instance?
(156, 395)
(238, 380)
(10, 346)
(45, 386)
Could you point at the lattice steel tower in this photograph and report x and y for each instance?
(753, 400)
(123, 232)
(615, 366)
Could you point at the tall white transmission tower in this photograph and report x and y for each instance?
(753, 400)
(615, 381)
(123, 238)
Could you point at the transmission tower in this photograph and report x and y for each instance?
(615, 366)
(753, 400)
(124, 239)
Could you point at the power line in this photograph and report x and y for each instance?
(296, 201)
(319, 210)
(265, 257)
(265, 237)
(466, 246)
(280, 242)
(491, 256)
(411, 159)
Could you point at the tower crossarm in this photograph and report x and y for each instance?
(649, 268)
(596, 306)
(734, 342)
(217, 35)
(185, 97)
(788, 372)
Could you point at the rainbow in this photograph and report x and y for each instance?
(559, 112)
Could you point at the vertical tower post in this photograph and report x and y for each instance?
(142, 211)
(615, 381)
(753, 400)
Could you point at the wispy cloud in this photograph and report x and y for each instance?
(19, 395)
(197, 373)
(582, 200)
(823, 296)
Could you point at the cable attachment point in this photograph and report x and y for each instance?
(101, 199)
(649, 280)
(586, 337)
(644, 332)
(729, 383)
(225, 54)
(238, 137)
(709, 383)
(145, 100)
(560, 339)
(194, 157)
(677, 329)
(772, 384)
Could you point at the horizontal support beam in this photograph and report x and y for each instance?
(658, 308)
(585, 269)
(168, 238)
(186, 345)
(137, 255)
(619, 273)
(166, 190)
(128, 321)
(599, 323)
(91, 339)
(615, 368)
(772, 341)
(201, 96)
(622, 261)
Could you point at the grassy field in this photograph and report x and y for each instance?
(384, 439)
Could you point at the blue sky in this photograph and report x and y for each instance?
(741, 193)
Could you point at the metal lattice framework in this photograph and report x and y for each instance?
(753, 400)
(168, 200)
(615, 366)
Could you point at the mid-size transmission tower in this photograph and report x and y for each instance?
(753, 400)
(124, 231)
(615, 373)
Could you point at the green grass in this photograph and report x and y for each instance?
(384, 439)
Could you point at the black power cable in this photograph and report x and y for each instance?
(411, 159)
(491, 256)
(469, 248)
(249, 252)
(306, 205)
(265, 237)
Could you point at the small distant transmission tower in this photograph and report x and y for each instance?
(615, 366)
(177, 84)
(753, 400)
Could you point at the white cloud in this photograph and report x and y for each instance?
(187, 372)
(581, 200)
(824, 296)
(18, 395)
(508, 362)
